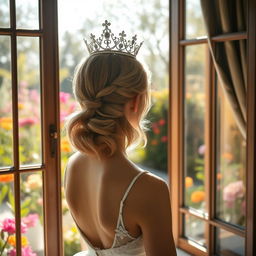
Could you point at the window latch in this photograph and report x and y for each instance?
(53, 139)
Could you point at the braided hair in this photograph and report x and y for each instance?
(102, 85)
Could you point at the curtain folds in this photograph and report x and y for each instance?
(229, 57)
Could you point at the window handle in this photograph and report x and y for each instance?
(53, 139)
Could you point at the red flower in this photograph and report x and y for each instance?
(156, 130)
(164, 139)
(161, 122)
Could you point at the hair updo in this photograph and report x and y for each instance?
(102, 85)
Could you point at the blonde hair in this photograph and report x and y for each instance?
(102, 85)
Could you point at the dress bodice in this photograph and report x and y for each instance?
(124, 244)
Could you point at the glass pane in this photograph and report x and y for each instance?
(4, 14)
(231, 163)
(228, 243)
(194, 20)
(31, 200)
(27, 15)
(29, 100)
(7, 213)
(6, 142)
(194, 144)
(194, 229)
(147, 19)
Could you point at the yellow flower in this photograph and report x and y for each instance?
(228, 156)
(188, 182)
(12, 241)
(34, 181)
(21, 106)
(65, 147)
(6, 123)
(197, 196)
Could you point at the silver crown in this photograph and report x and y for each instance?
(108, 43)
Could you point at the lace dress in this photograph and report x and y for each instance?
(124, 244)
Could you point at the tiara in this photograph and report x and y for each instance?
(108, 43)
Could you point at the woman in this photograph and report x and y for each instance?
(119, 209)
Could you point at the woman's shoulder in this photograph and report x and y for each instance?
(152, 193)
(75, 158)
(74, 161)
(151, 180)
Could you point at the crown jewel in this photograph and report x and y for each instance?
(108, 43)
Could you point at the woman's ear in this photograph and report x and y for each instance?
(136, 101)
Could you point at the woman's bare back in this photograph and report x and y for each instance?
(94, 190)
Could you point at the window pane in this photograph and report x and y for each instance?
(194, 141)
(194, 229)
(228, 243)
(27, 14)
(231, 160)
(6, 142)
(4, 14)
(7, 212)
(29, 100)
(194, 20)
(31, 200)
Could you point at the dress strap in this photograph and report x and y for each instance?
(130, 186)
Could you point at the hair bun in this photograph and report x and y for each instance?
(103, 85)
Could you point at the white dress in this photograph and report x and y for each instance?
(124, 244)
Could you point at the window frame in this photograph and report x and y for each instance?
(50, 129)
(175, 149)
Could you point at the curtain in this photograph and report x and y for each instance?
(229, 58)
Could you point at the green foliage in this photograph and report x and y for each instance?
(155, 153)
(5, 147)
(71, 246)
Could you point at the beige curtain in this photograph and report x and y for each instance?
(227, 16)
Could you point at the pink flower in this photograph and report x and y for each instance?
(26, 251)
(154, 125)
(40, 201)
(233, 191)
(164, 139)
(201, 149)
(72, 107)
(23, 83)
(8, 225)
(63, 115)
(64, 97)
(34, 95)
(27, 122)
(30, 220)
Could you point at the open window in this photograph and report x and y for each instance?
(29, 158)
(211, 168)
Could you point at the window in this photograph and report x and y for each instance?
(209, 164)
(29, 162)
